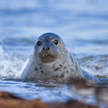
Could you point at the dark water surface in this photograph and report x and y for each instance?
(83, 25)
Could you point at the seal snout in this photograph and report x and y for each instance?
(47, 54)
(46, 48)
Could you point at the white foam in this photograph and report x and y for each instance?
(11, 65)
(95, 65)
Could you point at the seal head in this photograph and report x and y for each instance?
(46, 47)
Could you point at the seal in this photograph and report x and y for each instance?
(52, 62)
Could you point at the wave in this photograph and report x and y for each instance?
(14, 63)
(95, 65)
(11, 65)
(20, 41)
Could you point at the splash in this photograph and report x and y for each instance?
(95, 65)
(11, 65)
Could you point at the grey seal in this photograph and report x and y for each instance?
(51, 61)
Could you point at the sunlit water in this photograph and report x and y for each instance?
(82, 25)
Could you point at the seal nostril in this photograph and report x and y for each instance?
(44, 49)
(48, 48)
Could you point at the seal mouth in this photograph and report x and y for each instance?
(48, 58)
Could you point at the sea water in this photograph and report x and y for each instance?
(83, 26)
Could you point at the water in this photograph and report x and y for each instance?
(83, 25)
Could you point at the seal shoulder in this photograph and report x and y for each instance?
(27, 69)
(76, 64)
(84, 73)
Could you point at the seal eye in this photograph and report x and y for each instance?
(39, 43)
(55, 42)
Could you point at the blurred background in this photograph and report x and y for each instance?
(83, 25)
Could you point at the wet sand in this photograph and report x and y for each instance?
(10, 101)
